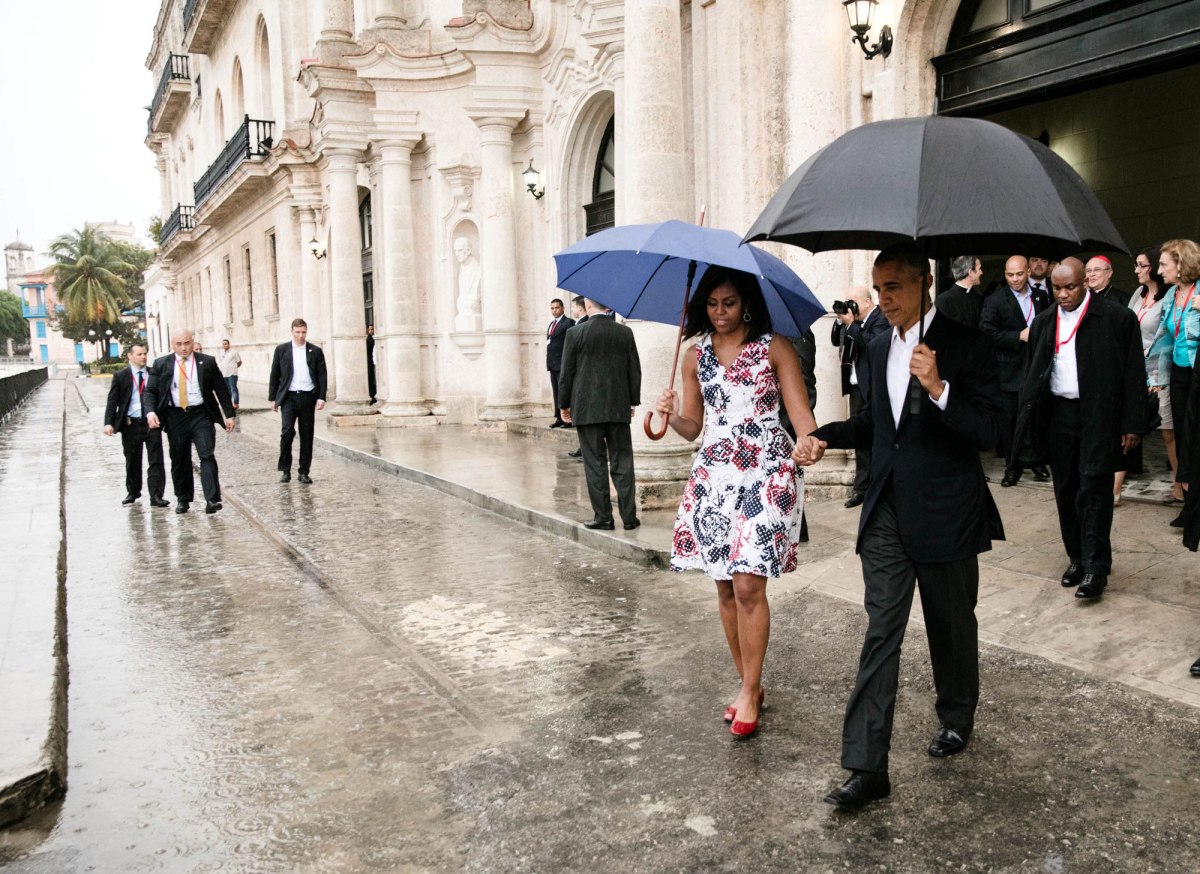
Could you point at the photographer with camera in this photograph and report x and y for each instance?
(857, 321)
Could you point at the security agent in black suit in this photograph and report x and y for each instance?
(599, 388)
(298, 392)
(187, 395)
(1006, 318)
(556, 336)
(852, 333)
(1083, 405)
(125, 415)
(963, 301)
(927, 515)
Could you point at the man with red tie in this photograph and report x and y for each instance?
(125, 415)
(556, 335)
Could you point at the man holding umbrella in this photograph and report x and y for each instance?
(927, 514)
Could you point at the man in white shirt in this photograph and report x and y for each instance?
(229, 361)
(124, 414)
(297, 389)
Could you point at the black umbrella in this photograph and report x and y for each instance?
(954, 186)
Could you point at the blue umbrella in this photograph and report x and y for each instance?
(647, 271)
(642, 272)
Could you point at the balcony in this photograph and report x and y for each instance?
(235, 163)
(202, 22)
(33, 310)
(172, 96)
(182, 218)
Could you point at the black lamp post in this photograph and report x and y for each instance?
(859, 12)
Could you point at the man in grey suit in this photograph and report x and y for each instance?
(599, 386)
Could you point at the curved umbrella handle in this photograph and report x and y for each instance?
(648, 426)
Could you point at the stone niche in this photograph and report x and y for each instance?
(513, 14)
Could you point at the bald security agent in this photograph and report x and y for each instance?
(124, 414)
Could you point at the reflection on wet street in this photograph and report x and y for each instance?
(366, 675)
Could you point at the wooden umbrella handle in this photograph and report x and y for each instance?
(648, 426)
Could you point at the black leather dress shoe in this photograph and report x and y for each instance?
(285, 477)
(855, 499)
(1072, 576)
(181, 507)
(629, 526)
(1011, 478)
(598, 525)
(159, 502)
(862, 788)
(304, 478)
(130, 498)
(1195, 669)
(557, 424)
(1041, 473)
(1177, 522)
(1092, 586)
(947, 742)
(575, 453)
(211, 507)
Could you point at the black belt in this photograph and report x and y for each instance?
(129, 420)
(306, 391)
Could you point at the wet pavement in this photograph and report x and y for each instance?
(371, 675)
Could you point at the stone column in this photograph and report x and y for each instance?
(391, 13)
(337, 31)
(164, 185)
(498, 265)
(652, 187)
(401, 311)
(349, 328)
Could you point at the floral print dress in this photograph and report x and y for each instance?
(741, 509)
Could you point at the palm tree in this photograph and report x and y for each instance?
(87, 276)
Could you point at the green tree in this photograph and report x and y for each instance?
(89, 276)
(154, 229)
(12, 324)
(138, 259)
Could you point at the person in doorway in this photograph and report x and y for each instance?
(125, 414)
(372, 391)
(927, 516)
(739, 520)
(229, 361)
(186, 395)
(297, 389)
(556, 337)
(599, 388)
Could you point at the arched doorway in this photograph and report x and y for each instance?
(602, 211)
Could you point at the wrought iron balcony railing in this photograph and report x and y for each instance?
(176, 69)
(253, 139)
(180, 219)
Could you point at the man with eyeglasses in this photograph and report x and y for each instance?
(1098, 277)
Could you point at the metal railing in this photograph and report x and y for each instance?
(33, 310)
(189, 12)
(174, 70)
(16, 388)
(253, 139)
(180, 219)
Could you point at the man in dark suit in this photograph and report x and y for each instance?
(963, 301)
(600, 386)
(371, 385)
(187, 395)
(1006, 318)
(297, 387)
(852, 334)
(1098, 275)
(556, 336)
(124, 415)
(1083, 405)
(579, 313)
(927, 515)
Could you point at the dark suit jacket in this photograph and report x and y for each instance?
(554, 343)
(120, 393)
(1003, 321)
(601, 378)
(281, 371)
(854, 340)
(1116, 294)
(944, 508)
(961, 304)
(213, 389)
(1112, 385)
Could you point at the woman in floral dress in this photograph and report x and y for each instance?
(739, 520)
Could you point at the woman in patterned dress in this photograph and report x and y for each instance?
(740, 514)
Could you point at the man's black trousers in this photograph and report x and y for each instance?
(187, 428)
(608, 446)
(862, 456)
(299, 409)
(948, 594)
(136, 434)
(554, 391)
(1084, 502)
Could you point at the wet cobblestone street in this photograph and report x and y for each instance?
(367, 675)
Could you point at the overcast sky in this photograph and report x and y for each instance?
(73, 85)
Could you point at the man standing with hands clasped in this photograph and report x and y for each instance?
(125, 415)
(297, 389)
(187, 395)
(927, 515)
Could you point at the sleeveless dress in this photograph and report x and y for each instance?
(741, 509)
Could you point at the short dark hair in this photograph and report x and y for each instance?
(747, 289)
(557, 300)
(299, 323)
(908, 254)
(134, 345)
(962, 265)
(577, 301)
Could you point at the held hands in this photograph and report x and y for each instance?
(924, 368)
(808, 451)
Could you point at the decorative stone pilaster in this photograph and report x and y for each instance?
(310, 306)
(337, 31)
(349, 327)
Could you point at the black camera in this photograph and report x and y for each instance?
(844, 307)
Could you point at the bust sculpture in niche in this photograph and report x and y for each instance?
(467, 305)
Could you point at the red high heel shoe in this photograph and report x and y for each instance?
(731, 711)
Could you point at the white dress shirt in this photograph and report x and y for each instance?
(899, 360)
(192, 368)
(1064, 374)
(135, 398)
(301, 378)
